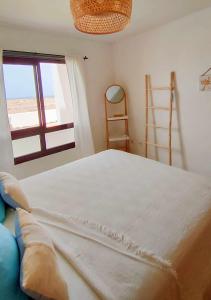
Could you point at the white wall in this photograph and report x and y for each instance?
(183, 46)
(98, 76)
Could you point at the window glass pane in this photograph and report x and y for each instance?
(21, 96)
(26, 146)
(59, 138)
(56, 92)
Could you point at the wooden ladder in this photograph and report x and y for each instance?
(149, 107)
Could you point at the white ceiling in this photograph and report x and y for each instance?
(55, 16)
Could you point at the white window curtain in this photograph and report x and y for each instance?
(83, 134)
(6, 153)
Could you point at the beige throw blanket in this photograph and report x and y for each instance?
(163, 214)
(105, 259)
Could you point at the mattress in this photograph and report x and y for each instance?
(163, 210)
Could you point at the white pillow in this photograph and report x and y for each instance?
(12, 193)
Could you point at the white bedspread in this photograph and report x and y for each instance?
(140, 215)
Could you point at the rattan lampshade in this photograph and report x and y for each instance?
(101, 16)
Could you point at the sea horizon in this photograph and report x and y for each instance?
(28, 97)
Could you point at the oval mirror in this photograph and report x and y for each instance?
(115, 94)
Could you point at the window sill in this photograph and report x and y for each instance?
(33, 156)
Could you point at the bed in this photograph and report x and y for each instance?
(126, 227)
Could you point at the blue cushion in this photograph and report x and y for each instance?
(9, 267)
(2, 210)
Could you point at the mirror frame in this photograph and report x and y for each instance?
(124, 94)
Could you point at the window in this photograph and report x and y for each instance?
(39, 105)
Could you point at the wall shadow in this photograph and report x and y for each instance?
(178, 118)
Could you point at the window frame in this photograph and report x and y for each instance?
(42, 129)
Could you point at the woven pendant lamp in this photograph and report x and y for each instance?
(101, 16)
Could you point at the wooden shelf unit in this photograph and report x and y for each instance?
(119, 138)
(118, 118)
(113, 140)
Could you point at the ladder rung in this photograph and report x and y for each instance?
(155, 126)
(165, 88)
(157, 145)
(158, 108)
